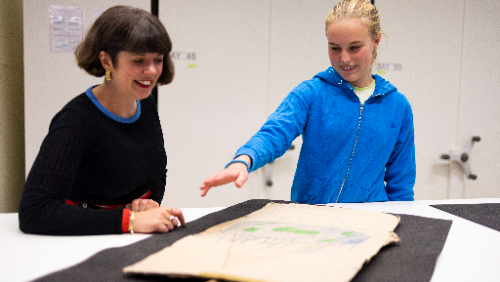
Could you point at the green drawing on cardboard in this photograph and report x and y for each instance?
(251, 229)
(295, 230)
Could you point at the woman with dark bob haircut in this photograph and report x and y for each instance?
(101, 168)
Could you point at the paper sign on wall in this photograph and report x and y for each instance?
(66, 28)
(281, 242)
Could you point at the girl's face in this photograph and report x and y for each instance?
(350, 50)
(136, 74)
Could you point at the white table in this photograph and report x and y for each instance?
(471, 251)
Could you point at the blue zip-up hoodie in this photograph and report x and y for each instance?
(350, 152)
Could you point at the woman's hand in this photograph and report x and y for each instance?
(236, 172)
(139, 205)
(160, 219)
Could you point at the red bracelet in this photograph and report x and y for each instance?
(125, 220)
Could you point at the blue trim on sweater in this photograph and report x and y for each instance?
(326, 112)
(114, 117)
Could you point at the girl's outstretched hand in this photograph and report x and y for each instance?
(236, 172)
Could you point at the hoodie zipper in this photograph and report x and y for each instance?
(352, 154)
(357, 135)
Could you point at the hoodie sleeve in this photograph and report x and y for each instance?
(281, 128)
(401, 168)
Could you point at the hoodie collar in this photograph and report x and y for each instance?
(382, 87)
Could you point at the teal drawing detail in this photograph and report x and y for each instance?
(251, 229)
(328, 240)
(295, 230)
(347, 233)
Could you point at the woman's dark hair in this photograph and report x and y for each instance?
(124, 28)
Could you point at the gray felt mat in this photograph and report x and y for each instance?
(422, 240)
(484, 214)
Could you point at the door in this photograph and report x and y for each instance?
(218, 98)
(420, 54)
(298, 50)
(449, 71)
(479, 101)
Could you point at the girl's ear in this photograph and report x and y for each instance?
(377, 41)
(106, 61)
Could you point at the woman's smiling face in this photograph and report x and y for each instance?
(136, 74)
(350, 50)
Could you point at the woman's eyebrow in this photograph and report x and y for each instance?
(352, 43)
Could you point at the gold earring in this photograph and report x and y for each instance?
(108, 75)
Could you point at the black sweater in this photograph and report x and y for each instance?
(88, 157)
